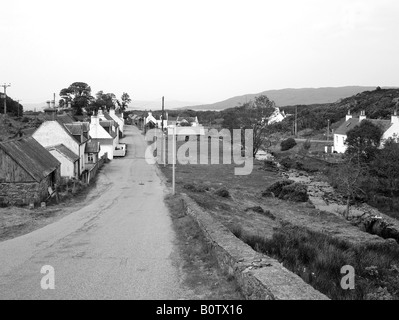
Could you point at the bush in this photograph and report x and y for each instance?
(276, 188)
(288, 144)
(294, 192)
(222, 192)
(287, 163)
(196, 188)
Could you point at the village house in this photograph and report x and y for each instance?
(118, 118)
(150, 121)
(62, 129)
(390, 129)
(110, 125)
(28, 172)
(102, 136)
(69, 161)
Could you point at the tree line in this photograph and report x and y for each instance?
(14, 108)
(79, 96)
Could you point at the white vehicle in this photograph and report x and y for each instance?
(120, 150)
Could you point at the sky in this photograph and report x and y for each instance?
(196, 51)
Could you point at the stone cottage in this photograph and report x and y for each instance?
(27, 171)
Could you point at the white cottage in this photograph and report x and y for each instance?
(390, 129)
(99, 134)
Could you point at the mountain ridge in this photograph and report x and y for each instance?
(290, 97)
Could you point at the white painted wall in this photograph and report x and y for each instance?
(107, 148)
(50, 134)
(119, 121)
(339, 143)
(67, 166)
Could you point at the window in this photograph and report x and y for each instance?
(90, 157)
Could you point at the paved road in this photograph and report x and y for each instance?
(119, 246)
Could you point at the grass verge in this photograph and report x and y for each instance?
(200, 267)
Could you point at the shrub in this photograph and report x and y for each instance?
(276, 188)
(288, 144)
(222, 192)
(196, 188)
(287, 163)
(294, 192)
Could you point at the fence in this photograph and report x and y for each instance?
(93, 171)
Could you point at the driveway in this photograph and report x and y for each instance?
(118, 246)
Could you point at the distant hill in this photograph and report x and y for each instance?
(378, 104)
(290, 97)
(157, 105)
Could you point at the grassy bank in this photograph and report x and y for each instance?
(318, 259)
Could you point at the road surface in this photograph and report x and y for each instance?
(119, 246)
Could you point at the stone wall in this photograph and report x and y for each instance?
(259, 276)
(19, 193)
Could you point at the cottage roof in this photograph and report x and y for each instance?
(31, 156)
(65, 119)
(77, 130)
(353, 122)
(92, 147)
(65, 152)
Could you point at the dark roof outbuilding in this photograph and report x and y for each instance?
(31, 156)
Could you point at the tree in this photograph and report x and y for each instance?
(252, 115)
(386, 167)
(348, 178)
(102, 101)
(125, 100)
(13, 107)
(363, 140)
(79, 94)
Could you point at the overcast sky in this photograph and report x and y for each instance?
(198, 51)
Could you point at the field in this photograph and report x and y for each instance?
(238, 203)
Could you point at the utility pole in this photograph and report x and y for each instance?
(296, 121)
(163, 136)
(328, 130)
(5, 96)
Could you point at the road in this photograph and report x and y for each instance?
(120, 245)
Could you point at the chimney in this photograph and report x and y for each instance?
(95, 120)
(50, 114)
(348, 116)
(362, 116)
(395, 117)
(112, 112)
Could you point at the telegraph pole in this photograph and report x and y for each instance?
(328, 130)
(5, 96)
(163, 137)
